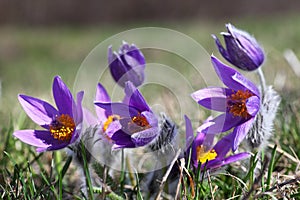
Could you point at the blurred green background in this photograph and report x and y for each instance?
(41, 39)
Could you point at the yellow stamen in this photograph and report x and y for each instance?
(203, 155)
(109, 120)
(237, 103)
(62, 127)
(135, 124)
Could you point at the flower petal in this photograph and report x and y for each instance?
(39, 111)
(41, 139)
(248, 85)
(112, 128)
(233, 79)
(236, 157)
(136, 53)
(222, 50)
(248, 44)
(222, 123)
(63, 97)
(101, 96)
(151, 118)
(29, 137)
(47, 138)
(217, 163)
(118, 109)
(213, 98)
(135, 97)
(122, 139)
(118, 69)
(240, 132)
(253, 105)
(224, 145)
(144, 137)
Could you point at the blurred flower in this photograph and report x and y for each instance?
(127, 65)
(240, 102)
(203, 151)
(131, 123)
(242, 50)
(63, 126)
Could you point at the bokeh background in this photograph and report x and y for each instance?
(40, 39)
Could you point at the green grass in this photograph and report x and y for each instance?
(29, 58)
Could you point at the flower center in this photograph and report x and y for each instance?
(138, 123)
(237, 103)
(109, 120)
(203, 155)
(131, 125)
(62, 127)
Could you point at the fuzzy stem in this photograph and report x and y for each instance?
(262, 81)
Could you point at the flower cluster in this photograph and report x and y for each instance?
(131, 123)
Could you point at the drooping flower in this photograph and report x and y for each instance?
(127, 65)
(63, 125)
(131, 123)
(242, 50)
(240, 102)
(203, 151)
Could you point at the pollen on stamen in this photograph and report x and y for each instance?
(62, 127)
(203, 155)
(138, 123)
(237, 103)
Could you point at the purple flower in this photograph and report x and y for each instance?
(131, 123)
(242, 50)
(203, 151)
(127, 65)
(240, 102)
(63, 125)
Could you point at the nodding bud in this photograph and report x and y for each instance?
(127, 65)
(242, 50)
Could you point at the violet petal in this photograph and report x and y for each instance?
(233, 79)
(29, 137)
(214, 98)
(118, 109)
(63, 97)
(135, 97)
(222, 50)
(240, 133)
(253, 105)
(144, 137)
(223, 122)
(39, 111)
(101, 96)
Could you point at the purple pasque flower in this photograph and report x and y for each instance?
(202, 149)
(131, 123)
(240, 102)
(127, 65)
(242, 50)
(63, 125)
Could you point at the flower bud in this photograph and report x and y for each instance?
(127, 65)
(242, 50)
